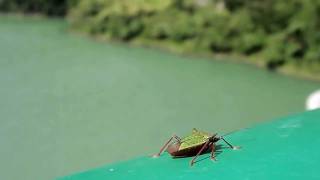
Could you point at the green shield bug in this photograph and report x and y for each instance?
(193, 145)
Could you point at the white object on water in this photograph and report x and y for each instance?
(313, 101)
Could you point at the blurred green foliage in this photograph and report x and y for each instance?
(47, 7)
(272, 33)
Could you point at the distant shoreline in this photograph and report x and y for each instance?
(288, 70)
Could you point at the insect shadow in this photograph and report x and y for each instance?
(218, 151)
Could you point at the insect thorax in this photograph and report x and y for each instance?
(196, 138)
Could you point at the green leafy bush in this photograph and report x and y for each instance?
(48, 7)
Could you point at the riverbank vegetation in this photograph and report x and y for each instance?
(276, 34)
(46, 7)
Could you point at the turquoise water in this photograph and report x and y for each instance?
(69, 103)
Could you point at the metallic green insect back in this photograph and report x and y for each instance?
(196, 138)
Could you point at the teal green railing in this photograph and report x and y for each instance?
(287, 148)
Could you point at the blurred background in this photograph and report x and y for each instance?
(90, 82)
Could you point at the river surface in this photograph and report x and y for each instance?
(69, 103)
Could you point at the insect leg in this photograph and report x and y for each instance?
(203, 148)
(177, 138)
(166, 144)
(232, 147)
(212, 151)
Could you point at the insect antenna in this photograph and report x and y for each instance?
(231, 132)
(226, 134)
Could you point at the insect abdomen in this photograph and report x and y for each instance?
(191, 151)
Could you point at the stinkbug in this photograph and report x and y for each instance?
(193, 145)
